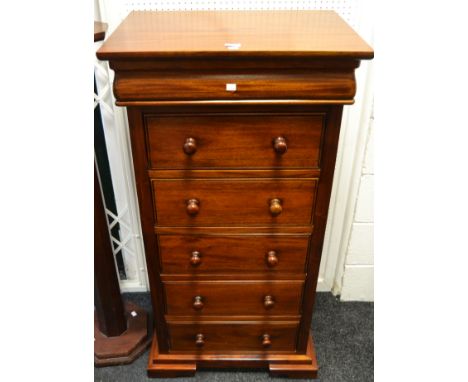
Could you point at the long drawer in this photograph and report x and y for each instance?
(228, 202)
(198, 254)
(234, 141)
(233, 336)
(204, 298)
(147, 85)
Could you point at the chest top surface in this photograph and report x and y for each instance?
(146, 34)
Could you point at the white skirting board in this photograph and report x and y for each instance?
(321, 286)
(358, 283)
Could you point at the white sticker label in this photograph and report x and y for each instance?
(232, 45)
(231, 87)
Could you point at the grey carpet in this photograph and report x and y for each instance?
(344, 341)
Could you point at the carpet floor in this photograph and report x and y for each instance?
(343, 336)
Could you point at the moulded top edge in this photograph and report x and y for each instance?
(145, 35)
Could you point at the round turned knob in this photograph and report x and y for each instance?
(193, 206)
(266, 341)
(272, 259)
(199, 340)
(190, 146)
(280, 146)
(275, 207)
(195, 259)
(198, 303)
(268, 302)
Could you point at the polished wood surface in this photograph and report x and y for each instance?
(233, 297)
(129, 345)
(295, 367)
(221, 254)
(195, 259)
(208, 336)
(320, 85)
(241, 64)
(232, 230)
(182, 202)
(278, 173)
(110, 311)
(320, 220)
(234, 120)
(234, 141)
(273, 33)
(279, 363)
(145, 203)
(280, 145)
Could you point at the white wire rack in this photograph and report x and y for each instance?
(129, 239)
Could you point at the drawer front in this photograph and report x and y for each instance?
(227, 202)
(195, 254)
(233, 336)
(204, 298)
(234, 141)
(322, 85)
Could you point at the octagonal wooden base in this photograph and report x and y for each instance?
(186, 364)
(123, 349)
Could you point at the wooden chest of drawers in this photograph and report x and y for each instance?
(234, 120)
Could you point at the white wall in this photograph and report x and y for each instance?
(97, 13)
(358, 276)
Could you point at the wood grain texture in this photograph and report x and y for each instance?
(241, 64)
(233, 201)
(321, 85)
(243, 102)
(238, 173)
(234, 230)
(172, 370)
(295, 318)
(307, 369)
(247, 276)
(125, 348)
(227, 254)
(234, 336)
(234, 141)
(110, 310)
(222, 230)
(214, 164)
(288, 106)
(233, 297)
(145, 202)
(147, 35)
(320, 220)
(165, 364)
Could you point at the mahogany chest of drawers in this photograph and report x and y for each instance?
(234, 120)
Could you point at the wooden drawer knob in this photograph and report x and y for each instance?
(190, 146)
(268, 302)
(275, 207)
(272, 259)
(266, 341)
(198, 303)
(195, 259)
(193, 207)
(199, 340)
(280, 146)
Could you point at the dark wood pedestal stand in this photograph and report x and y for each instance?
(121, 333)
